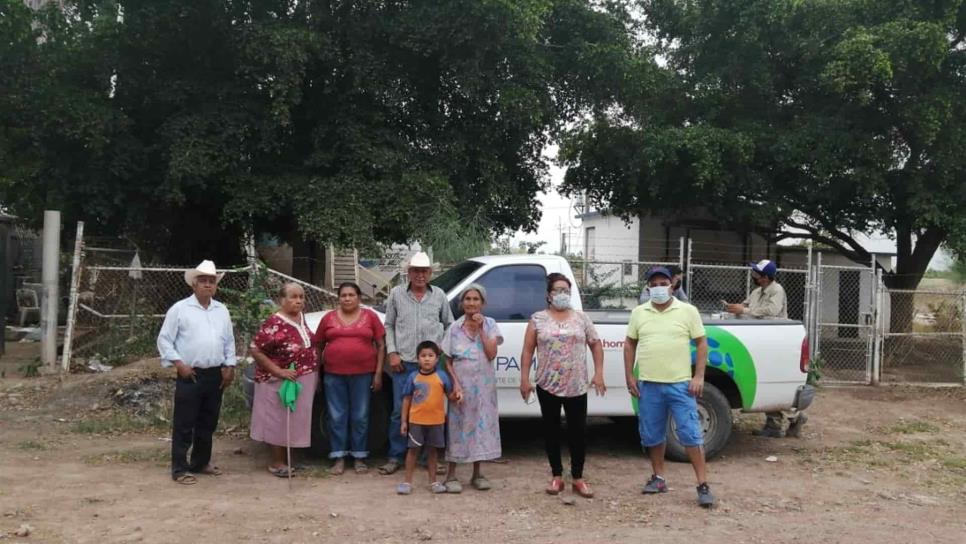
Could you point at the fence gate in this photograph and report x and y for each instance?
(845, 319)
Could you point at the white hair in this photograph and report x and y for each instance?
(474, 287)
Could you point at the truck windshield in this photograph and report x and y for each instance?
(452, 277)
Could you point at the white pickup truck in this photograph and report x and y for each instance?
(754, 365)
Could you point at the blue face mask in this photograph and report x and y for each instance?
(660, 294)
(560, 301)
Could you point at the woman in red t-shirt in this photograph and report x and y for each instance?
(353, 340)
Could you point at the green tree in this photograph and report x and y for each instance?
(822, 119)
(183, 124)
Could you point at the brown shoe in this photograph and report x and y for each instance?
(556, 486)
(581, 488)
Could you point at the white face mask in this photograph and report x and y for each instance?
(560, 301)
(660, 294)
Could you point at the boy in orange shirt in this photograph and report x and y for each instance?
(424, 415)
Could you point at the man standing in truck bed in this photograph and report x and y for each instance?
(768, 301)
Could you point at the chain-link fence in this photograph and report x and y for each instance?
(923, 336)
(712, 285)
(859, 331)
(119, 309)
(612, 285)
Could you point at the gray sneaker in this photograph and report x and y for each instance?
(655, 485)
(705, 498)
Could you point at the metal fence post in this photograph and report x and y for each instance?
(681, 256)
(807, 317)
(818, 306)
(687, 268)
(962, 322)
(877, 329)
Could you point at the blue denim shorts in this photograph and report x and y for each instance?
(660, 400)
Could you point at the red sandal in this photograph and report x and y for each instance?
(581, 488)
(556, 486)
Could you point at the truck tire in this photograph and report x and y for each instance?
(320, 424)
(714, 413)
(380, 408)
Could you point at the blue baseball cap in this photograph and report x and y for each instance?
(657, 271)
(765, 268)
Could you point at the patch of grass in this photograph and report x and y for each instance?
(914, 451)
(955, 462)
(128, 457)
(893, 454)
(30, 369)
(32, 445)
(912, 427)
(119, 423)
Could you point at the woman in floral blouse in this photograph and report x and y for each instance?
(560, 335)
(282, 340)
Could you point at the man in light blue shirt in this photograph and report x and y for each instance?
(197, 339)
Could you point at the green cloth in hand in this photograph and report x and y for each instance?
(289, 391)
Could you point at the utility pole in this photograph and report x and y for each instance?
(51, 288)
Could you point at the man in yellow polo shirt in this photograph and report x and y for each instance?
(657, 365)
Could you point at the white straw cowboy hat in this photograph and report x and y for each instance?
(420, 260)
(206, 268)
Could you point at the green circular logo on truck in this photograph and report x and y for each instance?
(727, 354)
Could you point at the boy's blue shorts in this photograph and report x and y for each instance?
(656, 403)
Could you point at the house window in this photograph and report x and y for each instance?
(628, 268)
(590, 243)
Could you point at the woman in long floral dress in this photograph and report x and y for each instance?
(473, 424)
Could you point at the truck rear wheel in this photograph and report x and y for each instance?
(714, 414)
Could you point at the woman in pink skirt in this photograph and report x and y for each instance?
(284, 338)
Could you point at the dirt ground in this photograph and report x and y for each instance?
(874, 465)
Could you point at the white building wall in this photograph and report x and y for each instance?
(612, 240)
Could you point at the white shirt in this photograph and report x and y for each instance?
(200, 337)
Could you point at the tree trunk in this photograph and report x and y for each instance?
(911, 265)
(901, 301)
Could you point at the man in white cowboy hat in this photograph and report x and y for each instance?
(197, 339)
(415, 312)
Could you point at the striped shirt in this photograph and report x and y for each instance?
(410, 321)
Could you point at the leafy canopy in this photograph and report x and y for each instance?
(826, 117)
(184, 123)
